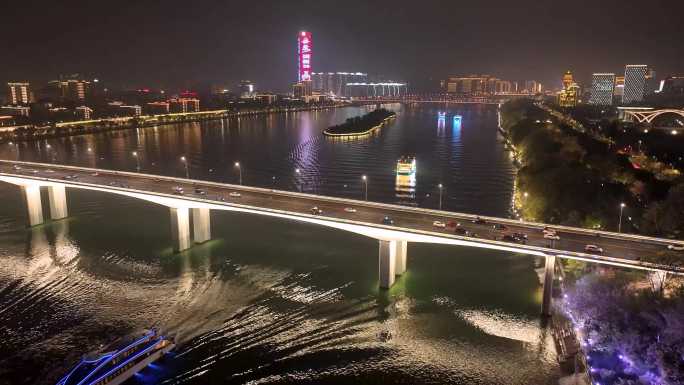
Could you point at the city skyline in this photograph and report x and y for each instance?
(211, 44)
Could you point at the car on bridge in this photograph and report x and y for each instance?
(234, 194)
(593, 249)
(461, 231)
(316, 211)
(439, 224)
(675, 247)
(479, 221)
(350, 209)
(514, 238)
(178, 190)
(200, 191)
(500, 227)
(387, 220)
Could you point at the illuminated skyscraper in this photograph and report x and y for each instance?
(635, 83)
(567, 80)
(305, 56)
(602, 86)
(18, 93)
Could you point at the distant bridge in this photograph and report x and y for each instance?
(646, 114)
(407, 224)
(444, 99)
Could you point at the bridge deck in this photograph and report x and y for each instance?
(619, 249)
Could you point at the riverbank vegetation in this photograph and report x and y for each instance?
(362, 125)
(631, 333)
(573, 176)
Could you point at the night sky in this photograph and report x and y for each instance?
(191, 43)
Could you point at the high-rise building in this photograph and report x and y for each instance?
(602, 86)
(672, 85)
(533, 87)
(635, 83)
(304, 56)
(619, 87)
(70, 89)
(567, 80)
(182, 105)
(247, 89)
(475, 85)
(83, 112)
(334, 82)
(18, 93)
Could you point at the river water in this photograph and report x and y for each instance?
(269, 301)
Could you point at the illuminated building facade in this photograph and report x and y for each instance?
(247, 89)
(635, 83)
(533, 87)
(155, 108)
(567, 80)
(183, 105)
(83, 113)
(619, 87)
(18, 93)
(672, 85)
(472, 85)
(304, 56)
(570, 94)
(334, 82)
(602, 87)
(375, 90)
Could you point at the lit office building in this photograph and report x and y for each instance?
(602, 87)
(635, 83)
(619, 87)
(334, 82)
(18, 93)
(651, 82)
(15, 110)
(567, 80)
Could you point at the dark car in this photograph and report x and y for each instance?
(500, 227)
(513, 238)
(316, 211)
(479, 221)
(520, 235)
(200, 191)
(387, 221)
(461, 231)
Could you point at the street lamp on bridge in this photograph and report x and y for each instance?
(185, 163)
(365, 185)
(298, 174)
(237, 165)
(440, 195)
(622, 206)
(137, 160)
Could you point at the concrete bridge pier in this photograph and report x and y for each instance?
(549, 269)
(180, 228)
(201, 225)
(34, 207)
(400, 253)
(391, 261)
(58, 203)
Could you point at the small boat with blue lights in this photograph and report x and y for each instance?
(117, 366)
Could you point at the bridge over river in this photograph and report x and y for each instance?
(191, 220)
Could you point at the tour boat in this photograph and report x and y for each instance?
(406, 165)
(115, 367)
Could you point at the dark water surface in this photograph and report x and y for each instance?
(269, 301)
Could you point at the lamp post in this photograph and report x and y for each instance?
(365, 186)
(440, 195)
(137, 160)
(16, 148)
(187, 170)
(622, 206)
(298, 174)
(237, 164)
